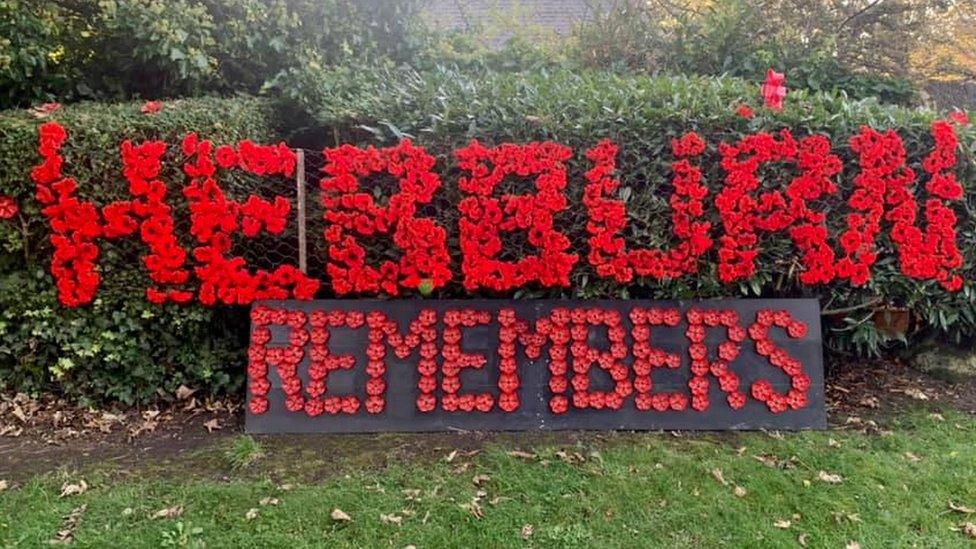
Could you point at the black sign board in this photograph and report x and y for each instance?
(428, 365)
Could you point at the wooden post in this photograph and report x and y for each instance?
(300, 182)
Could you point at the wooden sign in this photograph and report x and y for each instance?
(340, 366)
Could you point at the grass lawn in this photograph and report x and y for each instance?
(884, 486)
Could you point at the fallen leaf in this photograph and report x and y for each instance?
(912, 457)
(717, 473)
(213, 425)
(916, 393)
(251, 514)
(18, 413)
(474, 508)
(169, 512)
(68, 489)
(450, 457)
(783, 523)
(128, 512)
(391, 519)
(830, 478)
(412, 494)
(936, 417)
(768, 461)
(802, 540)
(66, 535)
(969, 529)
(4, 485)
(527, 531)
(478, 480)
(849, 517)
(570, 457)
(285, 487)
(498, 499)
(961, 508)
(269, 501)
(833, 443)
(523, 455)
(740, 492)
(339, 515)
(183, 392)
(869, 402)
(853, 545)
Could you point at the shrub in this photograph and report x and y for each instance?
(812, 41)
(121, 49)
(120, 348)
(123, 348)
(31, 64)
(444, 109)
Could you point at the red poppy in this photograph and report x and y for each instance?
(960, 117)
(774, 90)
(8, 207)
(745, 111)
(151, 107)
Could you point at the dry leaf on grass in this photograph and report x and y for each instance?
(474, 508)
(853, 545)
(719, 476)
(521, 454)
(740, 492)
(69, 489)
(527, 531)
(213, 425)
(783, 523)
(269, 501)
(391, 519)
(169, 512)
(961, 508)
(339, 515)
(4, 485)
(66, 535)
(497, 499)
(478, 480)
(830, 478)
(251, 514)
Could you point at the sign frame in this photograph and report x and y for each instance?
(401, 415)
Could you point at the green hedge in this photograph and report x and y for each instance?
(444, 109)
(121, 348)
